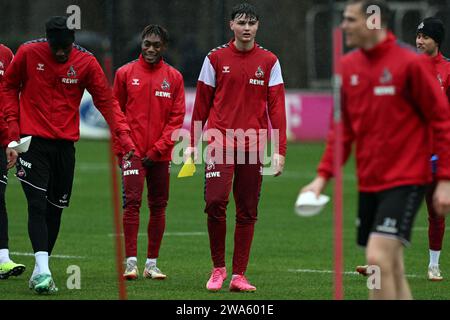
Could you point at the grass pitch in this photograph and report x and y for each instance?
(291, 256)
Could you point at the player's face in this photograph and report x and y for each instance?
(61, 53)
(244, 28)
(152, 48)
(354, 25)
(426, 45)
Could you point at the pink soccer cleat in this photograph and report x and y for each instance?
(217, 278)
(362, 270)
(240, 284)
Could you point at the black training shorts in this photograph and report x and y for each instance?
(3, 163)
(389, 213)
(49, 165)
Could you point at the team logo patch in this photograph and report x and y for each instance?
(421, 25)
(386, 77)
(21, 173)
(354, 80)
(165, 85)
(259, 73)
(126, 165)
(135, 82)
(226, 69)
(211, 165)
(40, 67)
(71, 73)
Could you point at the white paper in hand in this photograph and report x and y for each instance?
(22, 146)
(308, 204)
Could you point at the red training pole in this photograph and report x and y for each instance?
(338, 202)
(115, 198)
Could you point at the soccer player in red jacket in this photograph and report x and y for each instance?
(7, 266)
(151, 95)
(42, 90)
(430, 34)
(239, 88)
(391, 102)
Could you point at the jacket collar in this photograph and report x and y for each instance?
(438, 58)
(149, 66)
(235, 50)
(382, 47)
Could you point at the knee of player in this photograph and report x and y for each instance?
(381, 260)
(246, 219)
(216, 216)
(157, 206)
(216, 202)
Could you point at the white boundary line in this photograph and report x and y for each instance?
(346, 272)
(58, 256)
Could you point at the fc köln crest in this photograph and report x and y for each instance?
(386, 77)
(71, 73)
(259, 73)
(165, 85)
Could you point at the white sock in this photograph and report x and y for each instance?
(35, 271)
(42, 262)
(434, 257)
(132, 259)
(4, 256)
(150, 262)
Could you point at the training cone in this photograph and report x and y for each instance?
(22, 146)
(188, 169)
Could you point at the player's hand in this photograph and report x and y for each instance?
(278, 164)
(11, 157)
(317, 186)
(441, 197)
(128, 155)
(147, 162)
(189, 152)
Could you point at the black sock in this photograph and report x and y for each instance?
(37, 224)
(3, 219)
(53, 223)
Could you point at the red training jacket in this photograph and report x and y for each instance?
(6, 56)
(390, 99)
(152, 99)
(240, 90)
(50, 94)
(442, 65)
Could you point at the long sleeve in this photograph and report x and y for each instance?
(120, 96)
(12, 83)
(176, 117)
(7, 56)
(203, 100)
(102, 96)
(277, 107)
(325, 168)
(427, 96)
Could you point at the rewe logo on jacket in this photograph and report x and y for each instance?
(164, 86)
(71, 73)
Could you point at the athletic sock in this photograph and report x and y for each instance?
(434, 258)
(42, 262)
(150, 262)
(4, 256)
(129, 259)
(35, 271)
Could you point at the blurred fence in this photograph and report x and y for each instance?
(297, 31)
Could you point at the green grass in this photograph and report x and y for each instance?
(283, 241)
